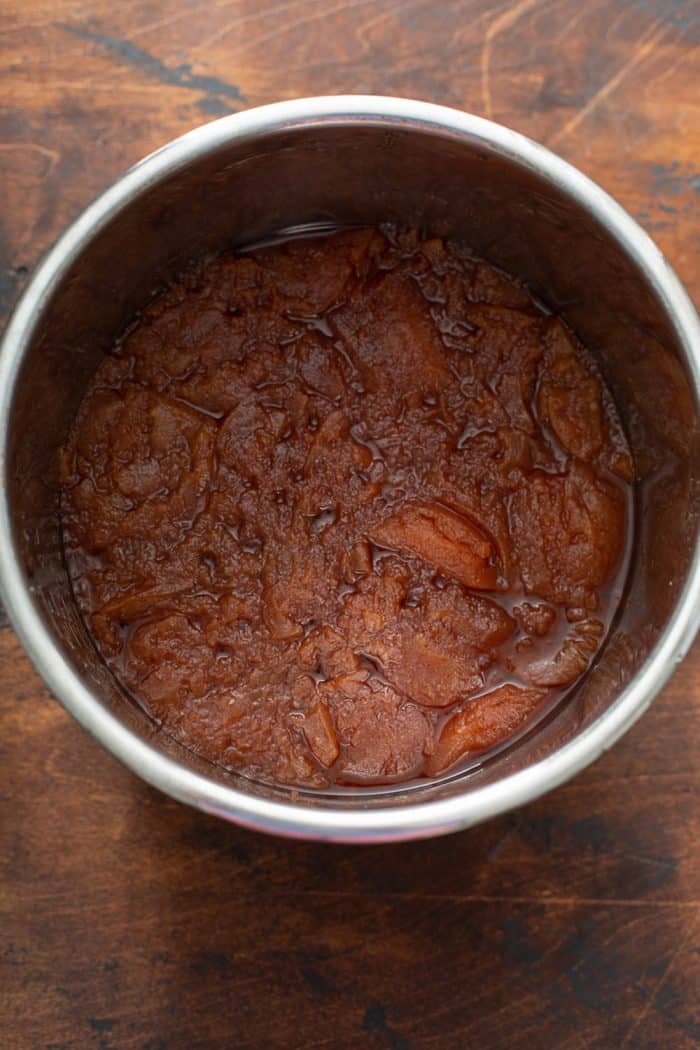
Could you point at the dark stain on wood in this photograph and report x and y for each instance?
(213, 88)
(12, 281)
(679, 13)
(374, 1022)
(670, 180)
(319, 985)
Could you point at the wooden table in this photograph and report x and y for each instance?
(131, 921)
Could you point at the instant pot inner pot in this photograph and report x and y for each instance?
(367, 173)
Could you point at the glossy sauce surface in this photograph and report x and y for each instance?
(347, 510)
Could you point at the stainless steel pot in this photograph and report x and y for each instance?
(360, 160)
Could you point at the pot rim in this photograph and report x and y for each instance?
(391, 822)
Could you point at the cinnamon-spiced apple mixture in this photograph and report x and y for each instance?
(346, 510)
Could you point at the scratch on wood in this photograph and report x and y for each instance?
(161, 23)
(649, 40)
(382, 16)
(498, 26)
(674, 65)
(51, 155)
(644, 1012)
(182, 76)
(571, 23)
(281, 30)
(258, 16)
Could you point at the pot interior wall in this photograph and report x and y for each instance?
(366, 173)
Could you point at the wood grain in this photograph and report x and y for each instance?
(130, 921)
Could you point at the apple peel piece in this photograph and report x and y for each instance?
(320, 734)
(482, 723)
(440, 537)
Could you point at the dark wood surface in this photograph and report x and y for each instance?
(131, 921)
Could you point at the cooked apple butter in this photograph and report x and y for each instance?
(347, 510)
